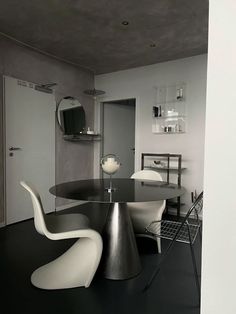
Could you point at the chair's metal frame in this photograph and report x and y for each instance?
(184, 232)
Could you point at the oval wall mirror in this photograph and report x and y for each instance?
(70, 116)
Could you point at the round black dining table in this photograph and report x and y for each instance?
(120, 258)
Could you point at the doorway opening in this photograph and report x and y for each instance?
(118, 133)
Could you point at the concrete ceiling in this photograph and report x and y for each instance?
(91, 33)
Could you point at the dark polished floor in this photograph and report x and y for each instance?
(22, 250)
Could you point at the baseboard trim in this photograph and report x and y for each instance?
(2, 224)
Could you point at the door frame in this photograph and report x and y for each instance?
(98, 125)
(4, 151)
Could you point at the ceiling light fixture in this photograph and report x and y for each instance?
(125, 23)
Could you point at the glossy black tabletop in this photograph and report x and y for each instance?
(125, 190)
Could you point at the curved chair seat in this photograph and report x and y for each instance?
(66, 222)
(78, 265)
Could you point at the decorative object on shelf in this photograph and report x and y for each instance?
(159, 163)
(89, 131)
(110, 165)
(157, 111)
(179, 93)
(169, 111)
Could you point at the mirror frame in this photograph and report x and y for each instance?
(58, 107)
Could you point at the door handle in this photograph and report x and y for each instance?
(14, 148)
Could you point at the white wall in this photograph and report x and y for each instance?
(140, 83)
(219, 233)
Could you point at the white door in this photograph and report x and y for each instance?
(30, 147)
(119, 134)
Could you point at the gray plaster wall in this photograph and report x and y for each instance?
(73, 160)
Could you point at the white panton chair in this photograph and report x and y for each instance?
(78, 265)
(142, 214)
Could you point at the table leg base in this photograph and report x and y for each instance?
(120, 259)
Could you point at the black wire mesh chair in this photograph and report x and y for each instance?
(175, 231)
